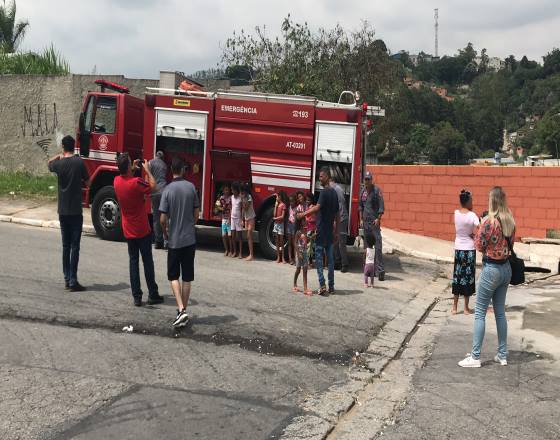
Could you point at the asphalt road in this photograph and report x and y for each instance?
(253, 352)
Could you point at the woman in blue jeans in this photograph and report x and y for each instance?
(492, 240)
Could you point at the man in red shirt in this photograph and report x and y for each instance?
(131, 194)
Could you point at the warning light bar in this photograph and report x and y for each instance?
(111, 86)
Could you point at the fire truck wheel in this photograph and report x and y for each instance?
(266, 237)
(106, 214)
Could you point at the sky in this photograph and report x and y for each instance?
(138, 38)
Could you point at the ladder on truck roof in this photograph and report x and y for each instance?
(253, 95)
(226, 93)
(163, 91)
(291, 98)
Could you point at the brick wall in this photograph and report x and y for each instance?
(421, 199)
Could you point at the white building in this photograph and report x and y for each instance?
(494, 63)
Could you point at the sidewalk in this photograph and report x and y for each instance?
(36, 213)
(517, 401)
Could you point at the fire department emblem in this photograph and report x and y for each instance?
(103, 142)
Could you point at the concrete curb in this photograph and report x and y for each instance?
(418, 254)
(53, 224)
(322, 412)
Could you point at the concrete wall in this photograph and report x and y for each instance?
(36, 111)
(421, 199)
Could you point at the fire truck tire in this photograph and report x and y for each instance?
(266, 238)
(106, 215)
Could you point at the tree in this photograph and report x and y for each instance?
(526, 64)
(11, 33)
(448, 146)
(380, 46)
(548, 132)
(489, 102)
(239, 72)
(208, 74)
(449, 70)
(528, 142)
(484, 62)
(511, 63)
(470, 72)
(552, 62)
(320, 63)
(418, 145)
(239, 75)
(392, 132)
(429, 108)
(467, 54)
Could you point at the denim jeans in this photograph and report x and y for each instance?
(492, 286)
(319, 252)
(142, 246)
(71, 231)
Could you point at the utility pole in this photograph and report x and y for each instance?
(436, 26)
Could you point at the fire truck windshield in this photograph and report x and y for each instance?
(105, 114)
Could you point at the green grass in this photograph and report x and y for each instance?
(47, 62)
(25, 185)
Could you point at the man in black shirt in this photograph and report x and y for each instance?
(327, 223)
(72, 173)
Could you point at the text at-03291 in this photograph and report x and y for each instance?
(295, 145)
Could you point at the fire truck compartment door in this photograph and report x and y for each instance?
(229, 166)
(181, 124)
(335, 142)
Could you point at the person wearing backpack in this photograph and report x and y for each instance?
(494, 240)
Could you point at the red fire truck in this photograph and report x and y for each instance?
(273, 142)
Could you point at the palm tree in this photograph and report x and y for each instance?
(11, 33)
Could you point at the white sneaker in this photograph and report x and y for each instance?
(469, 362)
(181, 319)
(502, 362)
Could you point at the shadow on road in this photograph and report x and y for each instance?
(215, 319)
(108, 287)
(349, 292)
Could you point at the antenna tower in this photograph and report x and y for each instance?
(436, 25)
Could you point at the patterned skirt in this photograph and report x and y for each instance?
(464, 273)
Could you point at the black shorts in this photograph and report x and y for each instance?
(181, 261)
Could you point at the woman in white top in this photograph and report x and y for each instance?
(466, 223)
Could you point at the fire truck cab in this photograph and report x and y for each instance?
(272, 142)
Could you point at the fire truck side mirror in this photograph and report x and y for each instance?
(84, 137)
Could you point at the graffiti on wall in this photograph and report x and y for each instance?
(39, 120)
(44, 145)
